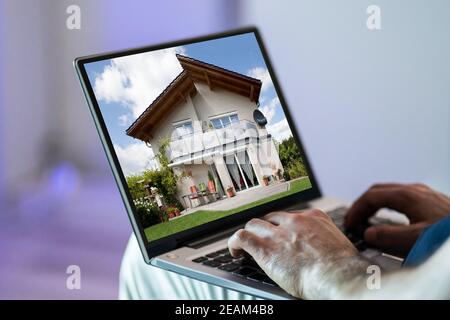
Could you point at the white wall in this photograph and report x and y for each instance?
(370, 105)
(210, 103)
(204, 104)
(165, 129)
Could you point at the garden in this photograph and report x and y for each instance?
(163, 183)
(156, 215)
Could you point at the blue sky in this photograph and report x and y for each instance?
(125, 86)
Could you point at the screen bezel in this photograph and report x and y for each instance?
(171, 242)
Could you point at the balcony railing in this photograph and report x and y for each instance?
(211, 138)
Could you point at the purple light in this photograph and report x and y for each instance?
(63, 179)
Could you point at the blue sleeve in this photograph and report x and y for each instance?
(429, 241)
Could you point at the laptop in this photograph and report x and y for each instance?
(200, 140)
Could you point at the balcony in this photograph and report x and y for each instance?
(210, 139)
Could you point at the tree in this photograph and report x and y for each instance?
(291, 159)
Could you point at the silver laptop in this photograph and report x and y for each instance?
(200, 140)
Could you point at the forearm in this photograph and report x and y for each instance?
(347, 279)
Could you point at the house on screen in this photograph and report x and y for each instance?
(208, 115)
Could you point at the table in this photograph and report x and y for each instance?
(197, 194)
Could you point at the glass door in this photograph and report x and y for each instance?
(217, 182)
(247, 169)
(235, 172)
(241, 171)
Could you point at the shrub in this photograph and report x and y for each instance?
(148, 213)
(164, 179)
(291, 159)
(136, 185)
(296, 170)
(210, 176)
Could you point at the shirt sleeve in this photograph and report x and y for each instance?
(429, 241)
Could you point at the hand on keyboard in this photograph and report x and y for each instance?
(422, 205)
(302, 252)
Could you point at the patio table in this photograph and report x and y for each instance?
(198, 194)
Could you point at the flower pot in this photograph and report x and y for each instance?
(211, 186)
(230, 193)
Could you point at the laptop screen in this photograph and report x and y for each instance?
(199, 132)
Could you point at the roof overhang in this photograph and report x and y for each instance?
(183, 86)
(177, 92)
(216, 77)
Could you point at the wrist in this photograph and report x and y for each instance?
(335, 278)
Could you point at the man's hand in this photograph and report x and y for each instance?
(303, 252)
(422, 205)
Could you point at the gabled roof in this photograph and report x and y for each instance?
(183, 86)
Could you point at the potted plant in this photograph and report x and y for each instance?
(202, 186)
(265, 180)
(230, 192)
(173, 212)
(211, 184)
(170, 213)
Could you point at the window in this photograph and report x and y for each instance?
(225, 121)
(184, 129)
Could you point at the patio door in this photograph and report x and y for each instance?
(217, 182)
(241, 171)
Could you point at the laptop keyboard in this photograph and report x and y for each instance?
(337, 215)
(243, 267)
(247, 268)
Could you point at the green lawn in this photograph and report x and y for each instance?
(202, 216)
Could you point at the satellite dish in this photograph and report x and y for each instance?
(259, 117)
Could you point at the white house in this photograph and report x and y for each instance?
(207, 114)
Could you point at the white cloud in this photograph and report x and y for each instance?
(135, 81)
(269, 109)
(263, 75)
(280, 130)
(135, 158)
(124, 120)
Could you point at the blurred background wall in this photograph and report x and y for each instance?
(370, 106)
(60, 205)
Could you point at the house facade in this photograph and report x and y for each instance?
(206, 115)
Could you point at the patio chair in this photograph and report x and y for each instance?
(194, 194)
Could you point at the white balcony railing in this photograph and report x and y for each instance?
(211, 138)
